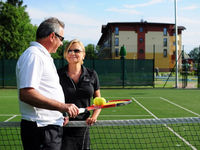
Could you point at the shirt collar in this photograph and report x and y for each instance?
(84, 71)
(41, 48)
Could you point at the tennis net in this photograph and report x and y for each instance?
(167, 133)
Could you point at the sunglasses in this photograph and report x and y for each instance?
(60, 37)
(75, 51)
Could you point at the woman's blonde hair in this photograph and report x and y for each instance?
(70, 44)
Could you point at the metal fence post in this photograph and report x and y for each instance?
(198, 70)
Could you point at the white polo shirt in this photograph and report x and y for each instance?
(35, 68)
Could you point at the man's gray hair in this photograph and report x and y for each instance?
(48, 26)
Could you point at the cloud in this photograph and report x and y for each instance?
(152, 2)
(127, 11)
(192, 31)
(37, 16)
(192, 7)
(190, 21)
(85, 34)
(68, 18)
(160, 19)
(78, 26)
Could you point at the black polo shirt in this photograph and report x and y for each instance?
(79, 93)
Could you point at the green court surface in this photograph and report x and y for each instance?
(147, 103)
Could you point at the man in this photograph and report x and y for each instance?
(41, 98)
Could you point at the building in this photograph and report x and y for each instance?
(142, 40)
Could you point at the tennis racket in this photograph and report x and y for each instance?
(109, 104)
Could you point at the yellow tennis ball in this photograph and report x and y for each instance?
(99, 101)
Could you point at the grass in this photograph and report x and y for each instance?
(147, 104)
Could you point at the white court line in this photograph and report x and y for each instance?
(10, 118)
(180, 137)
(146, 97)
(112, 98)
(124, 115)
(144, 108)
(10, 114)
(180, 106)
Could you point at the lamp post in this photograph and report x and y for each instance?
(198, 69)
(176, 43)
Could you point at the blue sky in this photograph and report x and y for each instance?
(84, 18)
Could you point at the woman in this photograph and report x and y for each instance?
(79, 84)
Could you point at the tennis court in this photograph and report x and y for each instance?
(148, 105)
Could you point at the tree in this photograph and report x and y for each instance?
(194, 54)
(16, 3)
(16, 31)
(123, 51)
(59, 52)
(91, 51)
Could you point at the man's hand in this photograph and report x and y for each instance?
(72, 110)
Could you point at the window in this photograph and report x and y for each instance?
(117, 52)
(165, 53)
(141, 40)
(165, 42)
(116, 41)
(165, 31)
(141, 29)
(116, 31)
(141, 51)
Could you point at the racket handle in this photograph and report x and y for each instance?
(65, 114)
(82, 110)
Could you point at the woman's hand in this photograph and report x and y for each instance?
(91, 121)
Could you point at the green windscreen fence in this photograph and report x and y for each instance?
(125, 72)
(111, 72)
(7, 73)
(117, 72)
